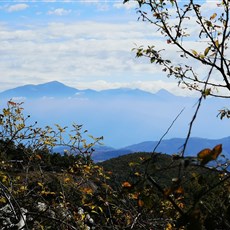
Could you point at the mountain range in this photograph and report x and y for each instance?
(123, 116)
(169, 146)
(55, 89)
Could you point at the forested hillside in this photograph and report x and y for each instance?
(45, 190)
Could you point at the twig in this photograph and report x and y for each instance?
(159, 142)
(53, 218)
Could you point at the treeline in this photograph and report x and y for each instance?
(48, 160)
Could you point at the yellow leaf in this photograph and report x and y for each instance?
(206, 51)
(101, 210)
(194, 52)
(23, 188)
(169, 226)
(87, 191)
(134, 195)
(3, 200)
(217, 43)
(4, 178)
(67, 179)
(201, 56)
(213, 16)
(40, 184)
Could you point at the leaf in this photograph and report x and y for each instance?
(204, 156)
(140, 203)
(206, 92)
(3, 200)
(217, 150)
(137, 174)
(168, 191)
(38, 156)
(179, 190)
(194, 52)
(207, 50)
(217, 43)
(67, 179)
(23, 188)
(207, 155)
(87, 190)
(12, 103)
(101, 210)
(169, 227)
(213, 16)
(134, 195)
(40, 184)
(126, 184)
(201, 56)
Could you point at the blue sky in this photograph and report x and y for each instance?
(84, 44)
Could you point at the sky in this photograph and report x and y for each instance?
(83, 44)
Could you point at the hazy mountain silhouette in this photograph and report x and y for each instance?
(123, 116)
(55, 89)
(170, 146)
(50, 89)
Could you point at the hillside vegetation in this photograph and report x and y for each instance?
(40, 189)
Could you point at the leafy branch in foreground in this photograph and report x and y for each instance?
(184, 25)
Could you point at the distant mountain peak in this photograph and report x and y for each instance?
(49, 89)
(164, 93)
(53, 83)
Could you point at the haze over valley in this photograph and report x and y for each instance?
(123, 116)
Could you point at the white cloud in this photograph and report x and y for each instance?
(128, 5)
(17, 7)
(82, 52)
(59, 12)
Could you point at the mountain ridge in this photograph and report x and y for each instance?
(123, 116)
(57, 89)
(167, 146)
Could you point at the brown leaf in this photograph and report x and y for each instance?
(126, 184)
(168, 191)
(207, 155)
(179, 190)
(204, 153)
(140, 203)
(204, 156)
(38, 156)
(217, 150)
